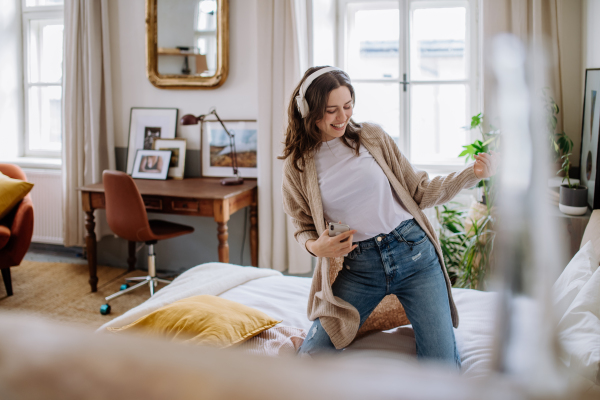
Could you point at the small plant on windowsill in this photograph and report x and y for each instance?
(573, 197)
(467, 236)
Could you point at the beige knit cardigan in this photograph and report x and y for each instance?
(302, 202)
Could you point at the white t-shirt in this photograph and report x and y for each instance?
(355, 190)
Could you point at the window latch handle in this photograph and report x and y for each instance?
(404, 82)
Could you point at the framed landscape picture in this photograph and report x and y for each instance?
(590, 130)
(217, 152)
(146, 125)
(177, 147)
(151, 164)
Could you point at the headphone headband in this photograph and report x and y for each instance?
(300, 100)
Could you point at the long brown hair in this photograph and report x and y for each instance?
(302, 135)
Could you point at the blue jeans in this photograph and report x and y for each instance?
(405, 263)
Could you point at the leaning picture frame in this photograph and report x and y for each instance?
(151, 164)
(147, 124)
(590, 131)
(216, 149)
(177, 147)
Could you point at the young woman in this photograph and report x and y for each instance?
(338, 170)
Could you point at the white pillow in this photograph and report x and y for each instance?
(572, 279)
(579, 331)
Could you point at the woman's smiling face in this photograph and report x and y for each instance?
(337, 114)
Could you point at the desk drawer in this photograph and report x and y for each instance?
(152, 203)
(185, 205)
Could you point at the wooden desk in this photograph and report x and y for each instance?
(204, 197)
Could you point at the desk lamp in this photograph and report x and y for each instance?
(189, 119)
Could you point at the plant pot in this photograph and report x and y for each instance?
(573, 201)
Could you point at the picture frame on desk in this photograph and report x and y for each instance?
(151, 164)
(177, 147)
(216, 151)
(590, 131)
(146, 125)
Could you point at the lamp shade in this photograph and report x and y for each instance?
(189, 119)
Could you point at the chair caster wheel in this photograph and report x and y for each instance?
(105, 309)
(124, 286)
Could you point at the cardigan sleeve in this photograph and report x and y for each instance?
(295, 205)
(429, 192)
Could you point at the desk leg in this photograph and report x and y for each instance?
(90, 242)
(221, 211)
(254, 234)
(131, 260)
(223, 235)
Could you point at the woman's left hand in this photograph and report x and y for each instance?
(486, 164)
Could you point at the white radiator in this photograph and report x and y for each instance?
(47, 205)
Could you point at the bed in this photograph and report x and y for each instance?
(43, 359)
(285, 297)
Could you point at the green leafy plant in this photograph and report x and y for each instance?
(560, 143)
(467, 237)
(566, 166)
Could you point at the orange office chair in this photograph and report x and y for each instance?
(127, 218)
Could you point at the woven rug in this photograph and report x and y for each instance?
(60, 291)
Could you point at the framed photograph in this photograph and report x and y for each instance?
(146, 125)
(177, 148)
(590, 130)
(151, 164)
(216, 150)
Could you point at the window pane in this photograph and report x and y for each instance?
(379, 103)
(206, 18)
(373, 40)
(438, 44)
(438, 113)
(45, 118)
(45, 51)
(34, 3)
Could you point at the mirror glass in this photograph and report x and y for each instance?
(187, 37)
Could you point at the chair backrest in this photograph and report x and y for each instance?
(125, 210)
(13, 171)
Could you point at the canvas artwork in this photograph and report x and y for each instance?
(217, 152)
(590, 131)
(145, 126)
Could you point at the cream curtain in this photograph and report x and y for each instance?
(88, 137)
(282, 59)
(535, 22)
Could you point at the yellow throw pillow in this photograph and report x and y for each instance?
(204, 319)
(12, 191)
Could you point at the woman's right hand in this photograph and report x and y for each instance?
(327, 246)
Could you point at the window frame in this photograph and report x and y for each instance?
(36, 13)
(474, 66)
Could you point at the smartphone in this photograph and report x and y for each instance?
(335, 229)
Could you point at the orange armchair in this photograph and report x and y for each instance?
(16, 230)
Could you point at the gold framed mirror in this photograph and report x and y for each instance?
(187, 43)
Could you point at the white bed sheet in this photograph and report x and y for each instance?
(285, 298)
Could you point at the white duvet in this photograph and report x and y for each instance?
(285, 298)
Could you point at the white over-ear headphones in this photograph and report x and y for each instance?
(300, 100)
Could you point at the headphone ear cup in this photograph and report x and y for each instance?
(302, 106)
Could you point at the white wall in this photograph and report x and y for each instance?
(571, 49)
(236, 99)
(591, 29)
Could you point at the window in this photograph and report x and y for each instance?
(205, 33)
(43, 69)
(413, 64)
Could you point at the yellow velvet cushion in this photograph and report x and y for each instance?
(203, 319)
(12, 191)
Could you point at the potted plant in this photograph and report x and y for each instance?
(573, 197)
